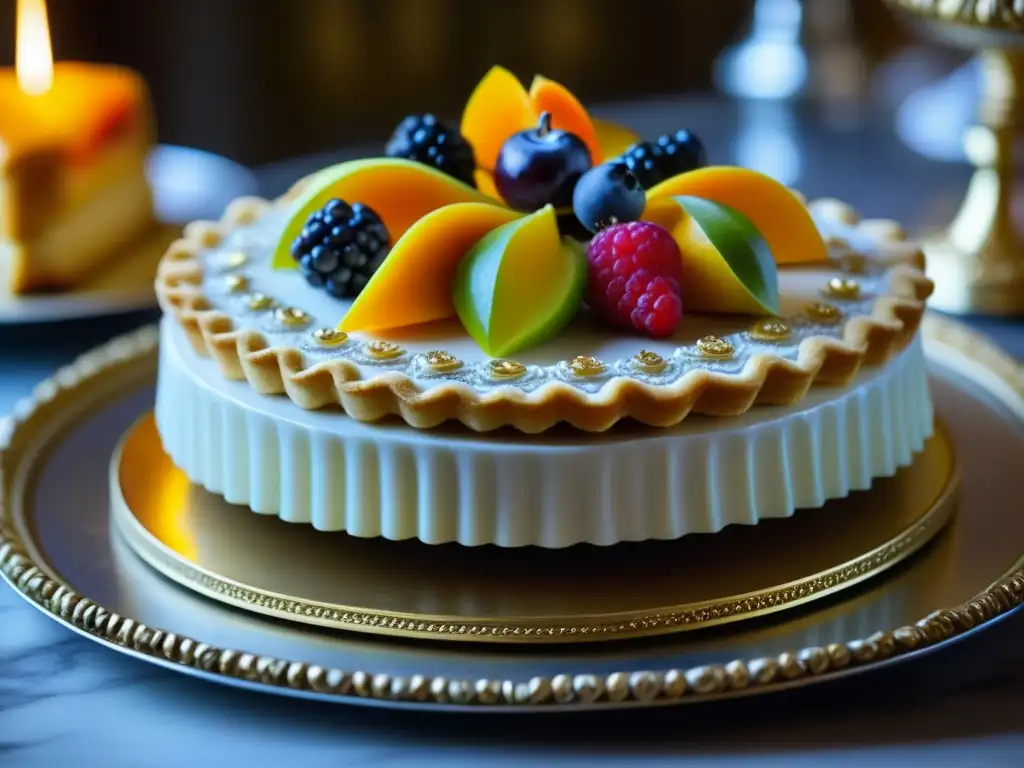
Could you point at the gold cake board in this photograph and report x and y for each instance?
(489, 594)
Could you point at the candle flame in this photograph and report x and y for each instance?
(33, 59)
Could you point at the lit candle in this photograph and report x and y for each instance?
(71, 107)
(73, 144)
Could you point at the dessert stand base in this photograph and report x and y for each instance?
(58, 550)
(523, 595)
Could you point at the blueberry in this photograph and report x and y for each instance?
(608, 194)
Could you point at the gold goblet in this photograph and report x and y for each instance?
(978, 261)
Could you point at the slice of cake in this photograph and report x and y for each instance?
(73, 187)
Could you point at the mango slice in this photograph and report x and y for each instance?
(413, 285)
(567, 114)
(485, 183)
(727, 265)
(401, 192)
(520, 284)
(613, 138)
(775, 212)
(498, 107)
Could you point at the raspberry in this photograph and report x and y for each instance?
(634, 274)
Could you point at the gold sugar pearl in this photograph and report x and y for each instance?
(712, 346)
(442, 361)
(383, 350)
(834, 241)
(853, 263)
(586, 366)
(259, 302)
(842, 288)
(823, 312)
(329, 337)
(291, 316)
(771, 329)
(648, 362)
(505, 369)
(233, 260)
(236, 283)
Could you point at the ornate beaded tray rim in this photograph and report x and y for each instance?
(992, 14)
(766, 378)
(640, 687)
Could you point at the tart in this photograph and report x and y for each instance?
(73, 186)
(651, 346)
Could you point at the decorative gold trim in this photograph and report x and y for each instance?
(596, 691)
(986, 14)
(583, 628)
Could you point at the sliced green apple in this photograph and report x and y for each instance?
(520, 284)
(728, 267)
(400, 191)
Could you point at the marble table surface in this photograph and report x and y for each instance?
(65, 701)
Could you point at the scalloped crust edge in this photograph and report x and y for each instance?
(244, 354)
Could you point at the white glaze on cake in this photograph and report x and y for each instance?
(244, 254)
(552, 490)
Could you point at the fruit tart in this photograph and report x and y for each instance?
(537, 328)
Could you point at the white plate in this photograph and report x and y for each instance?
(187, 184)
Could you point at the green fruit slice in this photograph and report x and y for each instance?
(401, 192)
(520, 284)
(728, 267)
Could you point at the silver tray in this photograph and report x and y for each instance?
(58, 550)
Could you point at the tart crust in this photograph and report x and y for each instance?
(247, 354)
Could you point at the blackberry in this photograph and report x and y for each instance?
(340, 248)
(427, 140)
(670, 155)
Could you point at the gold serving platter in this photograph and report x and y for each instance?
(59, 550)
(490, 594)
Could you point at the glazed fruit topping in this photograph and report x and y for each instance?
(606, 195)
(670, 155)
(540, 166)
(427, 140)
(340, 248)
(634, 277)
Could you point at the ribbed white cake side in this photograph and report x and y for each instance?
(325, 469)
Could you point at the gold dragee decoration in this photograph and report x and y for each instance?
(329, 337)
(383, 350)
(712, 346)
(505, 369)
(260, 301)
(442, 361)
(293, 317)
(823, 312)
(584, 366)
(648, 362)
(236, 283)
(842, 288)
(771, 329)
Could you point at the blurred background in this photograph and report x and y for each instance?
(262, 80)
(838, 98)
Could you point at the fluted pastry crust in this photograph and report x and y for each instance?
(247, 354)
